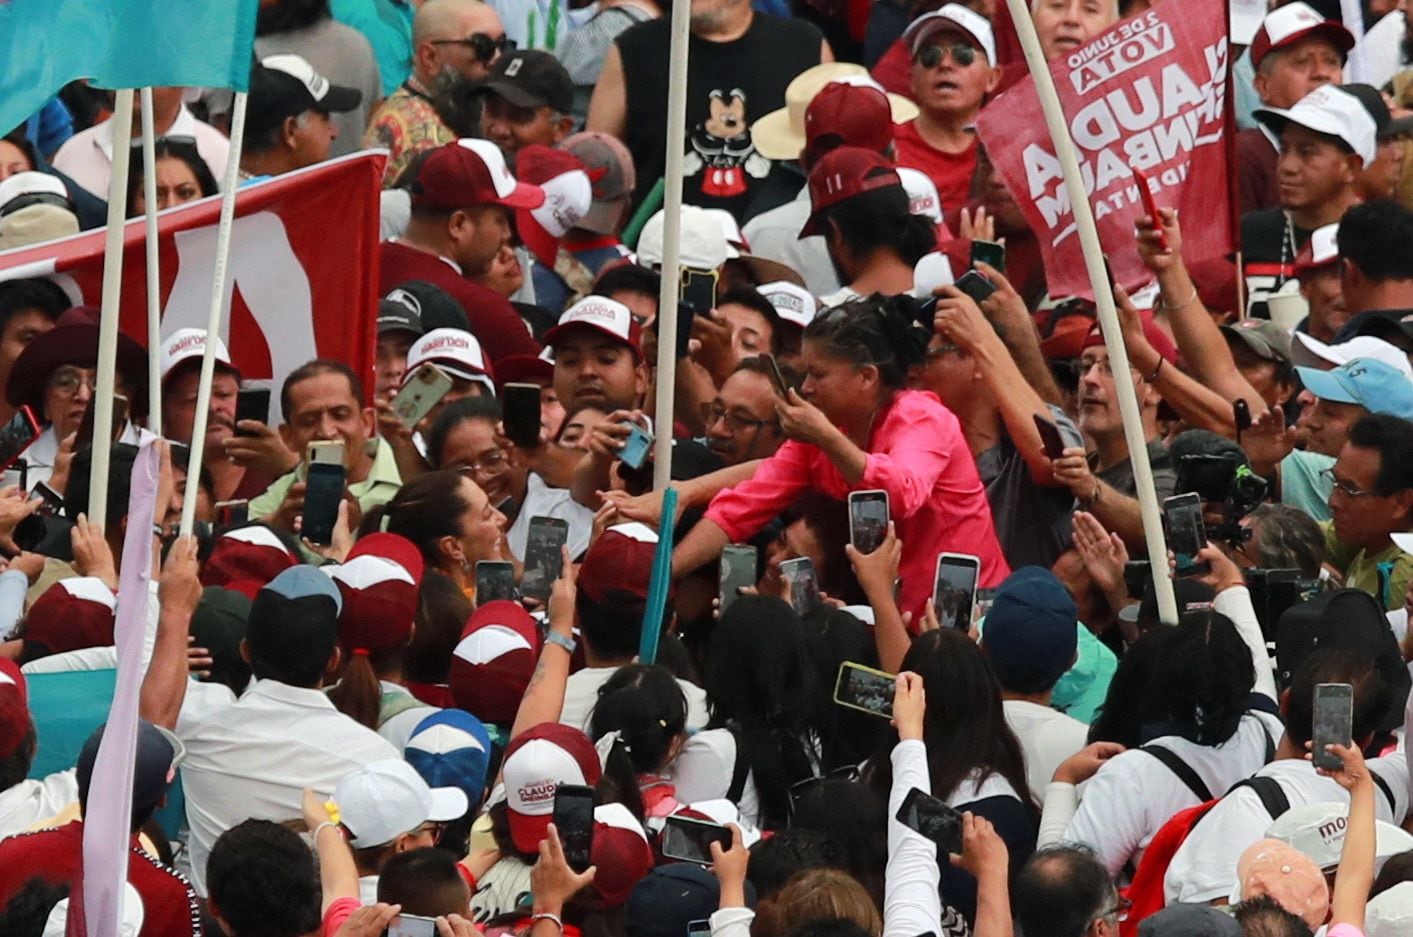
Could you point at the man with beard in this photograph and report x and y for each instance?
(454, 42)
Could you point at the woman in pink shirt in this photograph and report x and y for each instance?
(853, 427)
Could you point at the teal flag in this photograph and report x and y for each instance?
(45, 44)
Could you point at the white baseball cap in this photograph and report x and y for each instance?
(1322, 249)
(922, 194)
(709, 238)
(1291, 23)
(952, 16)
(455, 351)
(793, 303)
(1333, 112)
(1312, 353)
(384, 799)
(605, 315)
(185, 344)
(1317, 830)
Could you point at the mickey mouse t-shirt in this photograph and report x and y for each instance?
(730, 85)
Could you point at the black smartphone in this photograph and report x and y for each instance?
(738, 570)
(697, 289)
(84, 439)
(1182, 516)
(1137, 575)
(931, 817)
(688, 840)
(868, 519)
(1050, 437)
(804, 587)
(954, 589)
(976, 286)
(495, 579)
(543, 558)
(16, 436)
(866, 689)
(574, 821)
(412, 925)
(520, 408)
(322, 493)
(1241, 416)
(777, 379)
(699, 928)
(991, 253)
(1333, 723)
(252, 403)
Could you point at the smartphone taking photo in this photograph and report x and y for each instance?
(421, 392)
(1333, 723)
(688, 840)
(866, 689)
(495, 579)
(931, 817)
(954, 590)
(738, 570)
(1187, 535)
(323, 490)
(868, 519)
(520, 409)
(804, 587)
(252, 403)
(1050, 437)
(574, 821)
(544, 559)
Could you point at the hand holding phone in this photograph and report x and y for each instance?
(868, 519)
(931, 817)
(1333, 723)
(1150, 206)
(252, 403)
(521, 414)
(738, 570)
(799, 575)
(574, 821)
(978, 287)
(544, 559)
(1187, 535)
(688, 840)
(495, 579)
(636, 447)
(322, 494)
(866, 689)
(954, 590)
(1050, 437)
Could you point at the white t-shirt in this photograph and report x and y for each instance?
(581, 693)
(1133, 793)
(703, 770)
(1204, 866)
(543, 501)
(1047, 737)
(30, 802)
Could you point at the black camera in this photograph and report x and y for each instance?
(1227, 480)
(1275, 590)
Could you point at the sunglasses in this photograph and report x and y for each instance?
(930, 56)
(483, 46)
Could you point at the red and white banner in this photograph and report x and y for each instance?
(303, 268)
(1148, 94)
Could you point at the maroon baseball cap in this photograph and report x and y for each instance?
(619, 561)
(12, 679)
(378, 581)
(493, 661)
(471, 172)
(71, 615)
(1290, 24)
(842, 174)
(847, 114)
(246, 558)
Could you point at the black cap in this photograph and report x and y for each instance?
(218, 624)
(158, 754)
(286, 86)
(1374, 103)
(531, 78)
(396, 313)
(1190, 595)
(431, 306)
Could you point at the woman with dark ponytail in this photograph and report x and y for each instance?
(853, 426)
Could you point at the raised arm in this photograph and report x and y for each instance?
(544, 697)
(1011, 319)
(1356, 862)
(164, 685)
(877, 573)
(911, 903)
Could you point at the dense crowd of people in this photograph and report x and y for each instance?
(423, 667)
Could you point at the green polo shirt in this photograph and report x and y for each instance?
(1383, 575)
(382, 483)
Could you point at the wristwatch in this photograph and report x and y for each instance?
(554, 637)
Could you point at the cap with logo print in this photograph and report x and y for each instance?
(467, 173)
(606, 316)
(287, 85)
(455, 351)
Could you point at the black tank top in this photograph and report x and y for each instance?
(730, 85)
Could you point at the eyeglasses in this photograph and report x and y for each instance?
(734, 421)
(1345, 488)
(937, 351)
(68, 382)
(492, 463)
(930, 56)
(485, 47)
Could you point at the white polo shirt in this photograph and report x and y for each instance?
(87, 156)
(1204, 867)
(254, 757)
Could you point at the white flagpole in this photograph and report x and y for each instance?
(1108, 318)
(154, 285)
(112, 293)
(213, 320)
(671, 245)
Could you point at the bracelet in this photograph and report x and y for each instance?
(1162, 304)
(327, 823)
(1094, 498)
(1150, 378)
(546, 916)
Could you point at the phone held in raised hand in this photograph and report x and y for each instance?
(991, 253)
(978, 287)
(412, 925)
(1187, 535)
(738, 570)
(866, 689)
(804, 586)
(574, 822)
(1150, 205)
(252, 403)
(777, 379)
(868, 519)
(636, 447)
(322, 493)
(931, 817)
(544, 560)
(1333, 723)
(688, 840)
(1050, 437)
(420, 393)
(954, 590)
(521, 414)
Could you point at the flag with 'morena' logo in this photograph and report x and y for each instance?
(45, 44)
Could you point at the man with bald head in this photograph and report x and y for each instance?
(454, 42)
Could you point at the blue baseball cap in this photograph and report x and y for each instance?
(1373, 385)
(1029, 633)
(451, 748)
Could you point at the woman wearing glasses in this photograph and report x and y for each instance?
(56, 377)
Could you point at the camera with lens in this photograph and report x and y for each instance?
(1275, 590)
(1223, 479)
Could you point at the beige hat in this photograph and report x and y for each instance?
(781, 133)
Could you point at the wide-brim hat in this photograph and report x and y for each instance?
(74, 341)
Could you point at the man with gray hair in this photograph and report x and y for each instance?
(454, 42)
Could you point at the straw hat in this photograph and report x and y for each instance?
(781, 133)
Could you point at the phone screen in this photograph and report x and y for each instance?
(738, 570)
(252, 403)
(990, 253)
(954, 595)
(975, 285)
(1050, 437)
(17, 435)
(322, 494)
(521, 409)
(636, 447)
(697, 288)
(574, 821)
(422, 391)
(932, 818)
(865, 689)
(804, 587)
(412, 925)
(543, 559)
(232, 513)
(699, 928)
(690, 840)
(1182, 515)
(1333, 723)
(495, 579)
(868, 519)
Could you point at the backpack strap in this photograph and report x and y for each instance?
(1184, 772)
(742, 769)
(1273, 796)
(1387, 792)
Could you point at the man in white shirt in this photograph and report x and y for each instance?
(1030, 639)
(254, 756)
(87, 156)
(1204, 867)
(613, 590)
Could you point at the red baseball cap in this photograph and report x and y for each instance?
(1293, 22)
(621, 853)
(537, 761)
(493, 661)
(72, 614)
(1156, 337)
(841, 174)
(246, 558)
(378, 581)
(569, 193)
(525, 369)
(848, 113)
(471, 172)
(16, 724)
(619, 561)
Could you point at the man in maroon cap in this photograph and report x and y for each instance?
(462, 196)
(1294, 52)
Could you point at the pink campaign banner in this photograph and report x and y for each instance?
(1148, 94)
